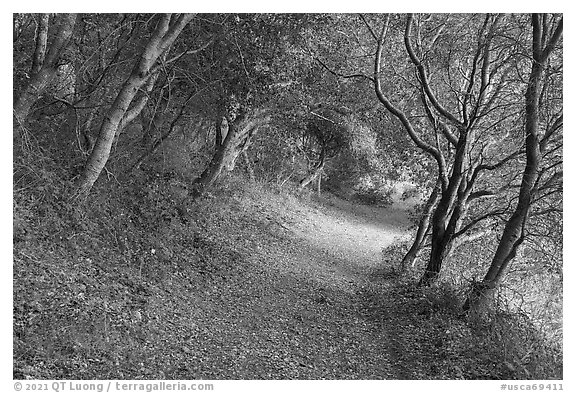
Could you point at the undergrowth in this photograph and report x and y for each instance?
(96, 285)
(139, 282)
(501, 343)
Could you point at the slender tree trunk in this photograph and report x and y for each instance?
(315, 172)
(156, 126)
(214, 169)
(444, 226)
(443, 223)
(313, 175)
(513, 234)
(44, 67)
(101, 151)
(423, 228)
(439, 242)
(155, 146)
(163, 37)
(249, 167)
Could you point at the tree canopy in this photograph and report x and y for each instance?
(465, 111)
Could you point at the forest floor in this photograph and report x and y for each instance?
(257, 285)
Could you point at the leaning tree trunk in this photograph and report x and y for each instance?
(513, 234)
(44, 64)
(443, 239)
(240, 132)
(423, 228)
(137, 106)
(315, 172)
(163, 37)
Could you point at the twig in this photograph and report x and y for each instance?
(338, 74)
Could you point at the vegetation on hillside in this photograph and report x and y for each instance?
(287, 196)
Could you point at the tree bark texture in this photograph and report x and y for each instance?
(448, 214)
(240, 132)
(44, 65)
(513, 234)
(41, 43)
(423, 228)
(166, 32)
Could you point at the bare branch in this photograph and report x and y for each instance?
(423, 76)
(369, 27)
(556, 125)
(553, 41)
(341, 75)
(437, 123)
(434, 152)
(178, 57)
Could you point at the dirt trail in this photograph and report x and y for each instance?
(337, 243)
(319, 312)
(354, 232)
(275, 289)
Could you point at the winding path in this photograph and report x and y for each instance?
(313, 310)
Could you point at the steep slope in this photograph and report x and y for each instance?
(250, 284)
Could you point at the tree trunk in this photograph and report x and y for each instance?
(34, 89)
(311, 176)
(163, 37)
(155, 126)
(249, 167)
(240, 132)
(513, 234)
(444, 227)
(315, 172)
(447, 215)
(137, 106)
(439, 242)
(41, 43)
(423, 228)
(45, 66)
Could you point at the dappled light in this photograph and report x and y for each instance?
(287, 196)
